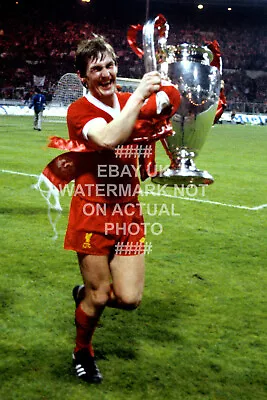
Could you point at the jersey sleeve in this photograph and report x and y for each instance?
(78, 116)
(81, 112)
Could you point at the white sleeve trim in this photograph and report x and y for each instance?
(162, 101)
(88, 124)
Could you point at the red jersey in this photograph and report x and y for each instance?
(107, 177)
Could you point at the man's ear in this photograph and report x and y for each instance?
(83, 80)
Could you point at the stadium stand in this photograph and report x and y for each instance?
(32, 52)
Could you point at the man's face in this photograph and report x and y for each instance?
(101, 78)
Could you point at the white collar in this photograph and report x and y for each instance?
(113, 111)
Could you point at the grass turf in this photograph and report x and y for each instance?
(200, 333)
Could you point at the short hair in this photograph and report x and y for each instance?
(92, 49)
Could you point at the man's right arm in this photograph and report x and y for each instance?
(109, 135)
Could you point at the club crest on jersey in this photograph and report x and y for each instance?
(87, 239)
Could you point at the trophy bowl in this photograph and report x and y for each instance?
(188, 67)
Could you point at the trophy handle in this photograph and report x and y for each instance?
(159, 23)
(216, 51)
(132, 39)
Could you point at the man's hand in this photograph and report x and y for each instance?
(149, 84)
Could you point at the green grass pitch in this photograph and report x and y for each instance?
(201, 330)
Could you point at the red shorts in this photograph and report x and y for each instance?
(105, 229)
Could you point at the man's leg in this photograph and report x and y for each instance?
(96, 276)
(128, 275)
(35, 120)
(39, 123)
(128, 278)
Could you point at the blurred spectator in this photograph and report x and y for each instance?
(38, 103)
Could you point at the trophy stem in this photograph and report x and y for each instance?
(183, 172)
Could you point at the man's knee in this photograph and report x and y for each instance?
(129, 301)
(99, 296)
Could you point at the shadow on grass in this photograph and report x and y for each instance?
(153, 324)
(128, 345)
(6, 301)
(119, 333)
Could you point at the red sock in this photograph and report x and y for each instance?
(85, 327)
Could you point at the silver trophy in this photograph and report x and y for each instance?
(188, 67)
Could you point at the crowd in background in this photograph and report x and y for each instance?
(48, 49)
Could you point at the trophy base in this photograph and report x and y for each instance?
(183, 177)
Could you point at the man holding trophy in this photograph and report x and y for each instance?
(182, 86)
(105, 128)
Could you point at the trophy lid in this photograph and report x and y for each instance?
(189, 52)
